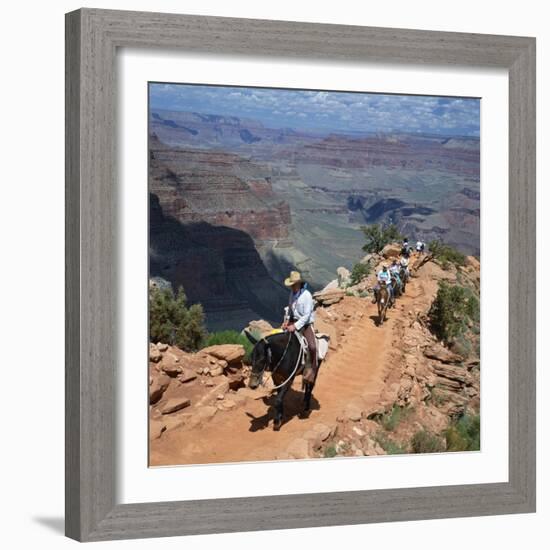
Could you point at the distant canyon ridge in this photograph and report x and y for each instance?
(234, 205)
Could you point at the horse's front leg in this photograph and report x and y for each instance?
(307, 396)
(278, 421)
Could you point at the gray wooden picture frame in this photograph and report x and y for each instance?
(92, 39)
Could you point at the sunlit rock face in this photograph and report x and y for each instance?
(218, 188)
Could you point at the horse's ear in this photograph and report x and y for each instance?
(250, 337)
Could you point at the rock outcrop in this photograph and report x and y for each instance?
(344, 276)
(329, 297)
(192, 387)
(227, 353)
(391, 251)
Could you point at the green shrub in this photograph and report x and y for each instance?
(379, 236)
(464, 434)
(229, 337)
(359, 272)
(330, 452)
(172, 322)
(472, 306)
(391, 420)
(426, 442)
(390, 446)
(451, 310)
(446, 254)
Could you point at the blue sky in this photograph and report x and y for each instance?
(326, 111)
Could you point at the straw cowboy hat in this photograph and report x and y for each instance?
(294, 278)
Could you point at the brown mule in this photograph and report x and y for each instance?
(382, 301)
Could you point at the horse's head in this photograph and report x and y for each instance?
(261, 359)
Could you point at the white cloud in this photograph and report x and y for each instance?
(331, 109)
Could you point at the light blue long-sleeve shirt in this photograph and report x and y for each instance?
(384, 276)
(301, 305)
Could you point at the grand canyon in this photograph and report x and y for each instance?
(234, 204)
(247, 185)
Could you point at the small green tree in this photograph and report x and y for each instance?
(451, 310)
(446, 254)
(359, 272)
(172, 322)
(392, 234)
(378, 236)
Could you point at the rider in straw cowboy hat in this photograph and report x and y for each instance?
(301, 317)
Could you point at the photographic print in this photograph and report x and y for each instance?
(314, 274)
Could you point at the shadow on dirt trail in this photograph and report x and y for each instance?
(294, 408)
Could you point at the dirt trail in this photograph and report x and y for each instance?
(357, 370)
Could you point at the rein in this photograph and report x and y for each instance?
(279, 362)
(268, 362)
(300, 353)
(284, 353)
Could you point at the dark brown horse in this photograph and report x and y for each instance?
(280, 355)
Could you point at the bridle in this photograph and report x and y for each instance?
(267, 363)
